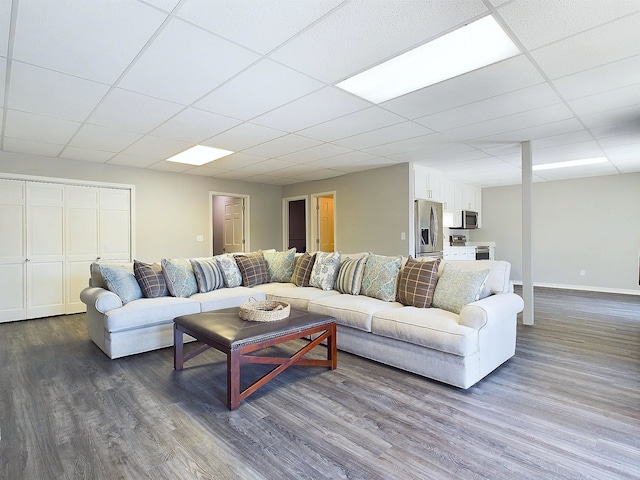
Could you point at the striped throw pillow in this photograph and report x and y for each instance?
(349, 279)
(208, 274)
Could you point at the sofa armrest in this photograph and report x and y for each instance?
(477, 314)
(102, 300)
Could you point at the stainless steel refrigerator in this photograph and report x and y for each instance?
(428, 228)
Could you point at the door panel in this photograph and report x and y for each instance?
(326, 221)
(115, 224)
(233, 226)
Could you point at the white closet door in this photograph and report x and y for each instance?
(13, 304)
(81, 241)
(115, 225)
(45, 250)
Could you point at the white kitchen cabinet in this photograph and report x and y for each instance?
(427, 184)
(447, 188)
(459, 253)
(49, 235)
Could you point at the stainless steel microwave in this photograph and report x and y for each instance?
(469, 219)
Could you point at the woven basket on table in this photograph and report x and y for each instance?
(264, 310)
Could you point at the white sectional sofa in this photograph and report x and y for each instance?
(455, 348)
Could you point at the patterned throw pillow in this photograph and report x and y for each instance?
(253, 269)
(417, 282)
(456, 288)
(208, 274)
(280, 265)
(349, 279)
(230, 270)
(121, 281)
(150, 279)
(179, 276)
(302, 269)
(325, 269)
(380, 277)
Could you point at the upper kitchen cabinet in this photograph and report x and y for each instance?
(427, 184)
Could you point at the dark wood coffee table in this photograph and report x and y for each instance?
(224, 330)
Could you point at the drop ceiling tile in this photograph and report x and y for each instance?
(238, 160)
(234, 175)
(408, 145)
(353, 124)
(342, 160)
(261, 26)
(492, 108)
(577, 172)
(86, 155)
(205, 171)
(508, 123)
(503, 77)
(620, 74)
(295, 170)
(257, 90)
(102, 138)
(361, 34)
(144, 113)
(525, 18)
(629, 138)
(172, 69)
(266, 166)
(3, 75)
(626, 152)
(377, 162)
(282, 146)
(631, 128)
(318, 175)
(45, 92)
(34, 148)
(534, 132)
(193, 125)
(38, 128)
(93, 40)
(431, 153)
(157, 147)
(609, 100)
(172, 167)
(381, 136)
(447, 159)
(243, 136)
(5, 22)
(610, 42)
(166, 5)
(132, 161)
(612, 117)
(314, 153)
(317, 107)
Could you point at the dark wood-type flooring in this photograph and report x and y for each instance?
(566, 406)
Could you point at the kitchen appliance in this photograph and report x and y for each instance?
(483, 252)
(457, 240)
(469, 219)
(429, 236)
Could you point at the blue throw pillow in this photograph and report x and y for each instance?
(122, 282)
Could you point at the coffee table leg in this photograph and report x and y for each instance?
(332, 348)
(233, 380)
(178, 343)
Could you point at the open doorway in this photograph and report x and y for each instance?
(229, 223)
(295, 223)
(324, 220)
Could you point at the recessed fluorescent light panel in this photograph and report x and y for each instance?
(199, 155)
(473, 46)
(571, 163)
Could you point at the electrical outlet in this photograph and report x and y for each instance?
(582, 273)
(403, 236)
(200, 238)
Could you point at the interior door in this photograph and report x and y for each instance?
(233, 226)
(13, 304)
(45, 250)
(326, 222)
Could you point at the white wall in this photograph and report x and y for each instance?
(590, 224)
(372, 209)
(170, 209)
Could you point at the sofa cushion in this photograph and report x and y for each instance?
(380, 277)
(280, 264)
(325, 270)
(122, 282)
(253, 269)
(349, 279)
(208, 274)
(457, 288)
(349, 310)
(150, 279)
(498, 280)
(302, 269)
(428, 327)
(145, 312)
(297, 297)
(226, 297)
(179, 276)
(417, 282)
(230, 270)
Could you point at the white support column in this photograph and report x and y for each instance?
(527, 233)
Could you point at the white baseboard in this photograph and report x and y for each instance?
(583, 288)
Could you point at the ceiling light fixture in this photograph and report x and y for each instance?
(570, 163)
(473, 46)
(199, 155)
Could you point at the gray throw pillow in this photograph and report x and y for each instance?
(457, 288)
(150, 279)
